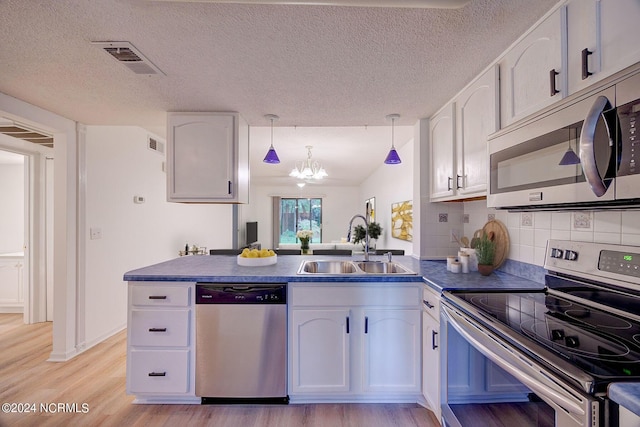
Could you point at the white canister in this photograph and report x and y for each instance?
(450, 260)
(473, 259)
(464, 262)
(456, 267)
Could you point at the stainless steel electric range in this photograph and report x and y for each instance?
(566, 344)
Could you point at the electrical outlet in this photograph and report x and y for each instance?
(95, 233)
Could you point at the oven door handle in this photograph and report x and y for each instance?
(499, 354)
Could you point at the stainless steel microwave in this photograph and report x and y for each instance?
(582, 156)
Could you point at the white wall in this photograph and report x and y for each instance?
(119, 166)
(12, 212)
(390, 184)
(339, 204)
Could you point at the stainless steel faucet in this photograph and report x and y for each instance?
(366, 236)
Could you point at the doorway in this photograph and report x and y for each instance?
(32, 265)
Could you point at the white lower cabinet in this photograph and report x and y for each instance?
(354, 342)
(11, 284)
(320, 346)
(160, 342)
(431, 350)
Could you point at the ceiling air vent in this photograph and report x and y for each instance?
(126, 54)
(155, 145)
(19, 131)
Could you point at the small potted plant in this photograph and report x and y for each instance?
(485, 251)
(359, 233)
(304, 236)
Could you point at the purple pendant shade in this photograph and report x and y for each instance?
(272, 156)
(392, 157)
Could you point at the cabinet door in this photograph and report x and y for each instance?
(201, 156)
(441, 137)
(619, 21)
(582, 24)
(320, 351)
(11, 292)
(526, 83)
(476, 116)
(391, 355)
(431, 362)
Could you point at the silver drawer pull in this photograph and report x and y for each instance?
(157, 297)
(428, 304)
(157, 374)
(157, 329)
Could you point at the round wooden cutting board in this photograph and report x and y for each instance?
(500, 235)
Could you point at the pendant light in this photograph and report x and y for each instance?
(272, 156)
(570, 157)
(392, 157)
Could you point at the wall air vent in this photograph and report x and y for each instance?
(126, 54)
(155, 145)
(19, 131)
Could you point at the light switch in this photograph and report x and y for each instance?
(95, 233)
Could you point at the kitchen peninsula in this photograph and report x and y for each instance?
(383, 315)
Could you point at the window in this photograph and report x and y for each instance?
(300, 214)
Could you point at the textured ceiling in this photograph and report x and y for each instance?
(314, 66)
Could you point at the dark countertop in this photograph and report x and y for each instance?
(224, 269)
(627, 395)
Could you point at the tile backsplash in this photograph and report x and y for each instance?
(529, 231)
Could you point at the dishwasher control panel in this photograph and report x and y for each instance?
(240, 293)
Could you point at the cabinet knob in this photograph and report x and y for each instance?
(428, 304)
(449, 181)
(347, 324)
(458, 186)
(157, 374)
(433, 340)
(157, 329)
(157, 297)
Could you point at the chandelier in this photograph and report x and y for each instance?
(308, 169)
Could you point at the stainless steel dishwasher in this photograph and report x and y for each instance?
(241, 343)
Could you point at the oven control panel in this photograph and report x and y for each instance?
(627, 263)
(616, 264)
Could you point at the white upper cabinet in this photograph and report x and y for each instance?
(458, 135)
(476, 118)
(533, 72)
(441, 137)
(601, 39)
(207, 158)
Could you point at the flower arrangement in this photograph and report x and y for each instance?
(304, 236)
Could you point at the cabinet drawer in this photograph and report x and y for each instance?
(158, 371)
(384, 294)
(159, 328)
(160, 296)
(431, 303)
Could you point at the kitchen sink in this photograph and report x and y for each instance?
(379, 267)
(327, 267)
(338, 267)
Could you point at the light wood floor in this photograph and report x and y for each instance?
(97, 378)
